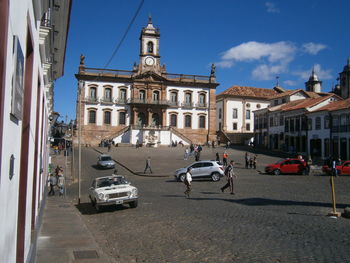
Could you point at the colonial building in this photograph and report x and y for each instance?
(146, 105)
(343, 88)
(235, 111)
(329, 131)
(33, 36)
(311, 122)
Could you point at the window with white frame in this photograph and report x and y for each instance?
(234, 113)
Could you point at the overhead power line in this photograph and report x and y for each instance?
(125, 34)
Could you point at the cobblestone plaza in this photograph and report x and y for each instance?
(270, 219)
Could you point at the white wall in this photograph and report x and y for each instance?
(19, 14)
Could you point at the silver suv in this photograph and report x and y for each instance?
(105, 161)
(202, 169)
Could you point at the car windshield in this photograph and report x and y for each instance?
(105, 182)
(105, 158)
(279, 161)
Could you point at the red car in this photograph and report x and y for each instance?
(288, 166)
(343, 168)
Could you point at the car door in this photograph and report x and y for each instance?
(346, 168)
(284, 166)
(296, 166)
(207, 169)
(196, 169)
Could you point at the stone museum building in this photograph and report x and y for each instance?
(146, 105)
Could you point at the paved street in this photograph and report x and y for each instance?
(270, 219)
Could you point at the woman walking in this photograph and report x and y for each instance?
(187, 181)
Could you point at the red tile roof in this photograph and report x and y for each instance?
(241, 91)
(304, 103)
(336, 105)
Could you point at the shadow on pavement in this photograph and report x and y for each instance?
(264, 201)
(88, 209)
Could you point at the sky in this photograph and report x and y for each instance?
(251, 42)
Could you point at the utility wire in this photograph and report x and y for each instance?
(125, 34)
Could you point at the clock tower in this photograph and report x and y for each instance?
(149, 48)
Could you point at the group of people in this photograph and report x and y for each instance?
(230, 177)
(195, 149)
(56, 180)
(250, 161)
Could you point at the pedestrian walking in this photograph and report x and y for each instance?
(247, 159)
(187, 182)
(213, 144)
(255, 160)
(60, 184)
(187, 151)
(109, 146)
(148, 165)
(53, 183)
(230, 175)
(224, 158)
(217, 157)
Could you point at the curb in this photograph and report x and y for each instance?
(131, 171)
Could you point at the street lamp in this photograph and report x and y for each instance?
(80, 87)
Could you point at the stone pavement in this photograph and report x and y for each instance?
(63, 236)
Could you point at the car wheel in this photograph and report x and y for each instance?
(277, 172)
(133, 204)
(215, 177)
(182, 177)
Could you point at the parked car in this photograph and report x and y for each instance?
(342, 168)
(288, 166)
(112, 190)
(202, 169)
(105, 161)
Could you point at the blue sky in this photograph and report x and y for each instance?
(250, 41)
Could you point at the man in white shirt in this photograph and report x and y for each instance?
(187, 181)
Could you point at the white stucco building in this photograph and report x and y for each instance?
(146, 105)
(31, 58)
(235, 111)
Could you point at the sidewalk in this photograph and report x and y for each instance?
(63, 236)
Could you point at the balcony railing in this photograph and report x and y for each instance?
(148, 101)
(91, 99)
(187, 105)
(106, 100)
(202, 105)
(174, 103)
(121, 101)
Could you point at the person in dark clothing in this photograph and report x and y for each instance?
(148, 165)
(217, 157)
(230, 175)
(53, 183)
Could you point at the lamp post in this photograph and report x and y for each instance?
(80, 87)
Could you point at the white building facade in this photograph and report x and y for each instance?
(146, 105)
(235, 111)
(31, 58)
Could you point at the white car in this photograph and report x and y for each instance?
(112, 190)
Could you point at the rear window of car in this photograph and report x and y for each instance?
(105, 158)
(207, 164)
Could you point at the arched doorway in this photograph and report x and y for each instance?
(155, 119)
(141, 119)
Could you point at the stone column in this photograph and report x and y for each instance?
(149, 110)
(164, 117)
(135, 116)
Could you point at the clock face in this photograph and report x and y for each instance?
(149, 61)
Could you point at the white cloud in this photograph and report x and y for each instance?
(268, 72)
(253, 50)
(224, 64)
(321, 73)
(290, 82)
(313, 48)
(271, 7)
